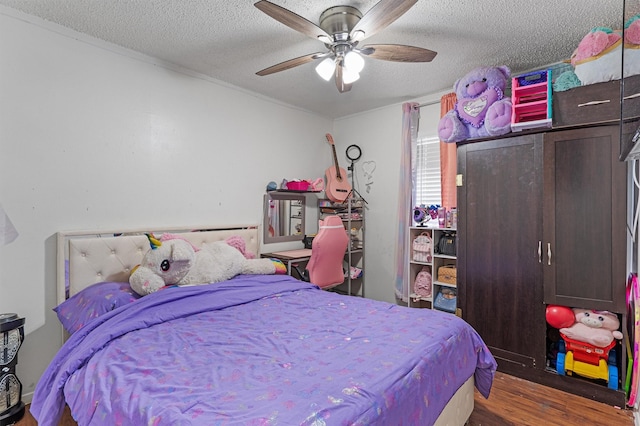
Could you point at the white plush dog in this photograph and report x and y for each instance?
(176, 262)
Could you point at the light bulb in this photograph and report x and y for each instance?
(354, 62)
(349, 76)
(325, 39)
(357, 36)
(326, 68)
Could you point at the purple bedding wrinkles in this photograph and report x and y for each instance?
(262, 350)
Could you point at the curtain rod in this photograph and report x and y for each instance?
(428, 103)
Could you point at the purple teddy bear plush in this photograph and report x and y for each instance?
(481, 109)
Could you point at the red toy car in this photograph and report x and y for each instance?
(587, 360)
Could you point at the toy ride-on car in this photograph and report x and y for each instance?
(587, 360)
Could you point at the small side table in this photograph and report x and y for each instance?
(290, 257)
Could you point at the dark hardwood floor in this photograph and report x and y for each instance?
(517, 402)
(514, 402)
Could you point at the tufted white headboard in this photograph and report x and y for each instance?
(88, 257)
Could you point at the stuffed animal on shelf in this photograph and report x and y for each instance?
(598, 56)
(632, 31)
(598, 328)
(481, 108)
(175, 261)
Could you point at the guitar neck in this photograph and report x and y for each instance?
(335, 162)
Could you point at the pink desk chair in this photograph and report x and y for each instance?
(328, 248)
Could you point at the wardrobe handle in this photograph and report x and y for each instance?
(549, 253)
(539, 251)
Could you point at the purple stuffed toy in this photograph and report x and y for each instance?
(481, 109)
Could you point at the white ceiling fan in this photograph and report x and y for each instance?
(341, 29)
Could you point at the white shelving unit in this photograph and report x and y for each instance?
(437, 261)
(295, 215)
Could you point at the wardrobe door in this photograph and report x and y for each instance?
(499, 272)
(584, 219)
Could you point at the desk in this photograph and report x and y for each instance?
(290, 257)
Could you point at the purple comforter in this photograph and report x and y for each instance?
(262, 350)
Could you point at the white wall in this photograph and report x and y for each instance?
(96, 137)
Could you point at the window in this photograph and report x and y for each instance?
(428, 171)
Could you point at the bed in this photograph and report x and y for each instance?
(253, 350)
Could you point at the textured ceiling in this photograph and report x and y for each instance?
(230, 40)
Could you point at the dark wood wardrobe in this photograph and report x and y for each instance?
(542, 220)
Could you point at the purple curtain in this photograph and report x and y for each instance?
(406, 195)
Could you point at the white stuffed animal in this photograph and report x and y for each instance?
(176, 261)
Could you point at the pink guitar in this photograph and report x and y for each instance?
(337, 188)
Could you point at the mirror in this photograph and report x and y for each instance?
(283, 217)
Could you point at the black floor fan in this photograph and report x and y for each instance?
(11, 337)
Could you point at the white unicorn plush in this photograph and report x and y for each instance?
(175, 261)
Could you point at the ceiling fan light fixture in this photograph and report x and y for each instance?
(349, 76)
(326, 68)
(354, 62)
(357, 36)
(341, 29)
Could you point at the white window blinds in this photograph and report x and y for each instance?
(428, 171)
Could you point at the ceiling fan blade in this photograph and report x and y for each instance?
(340, 84)
(291, 20)
(380, 16)
(398, 53)
(291, 63)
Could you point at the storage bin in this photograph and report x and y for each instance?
(595, 103)
(531, 100)
(298, 185)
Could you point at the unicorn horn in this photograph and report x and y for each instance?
(153, 241)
